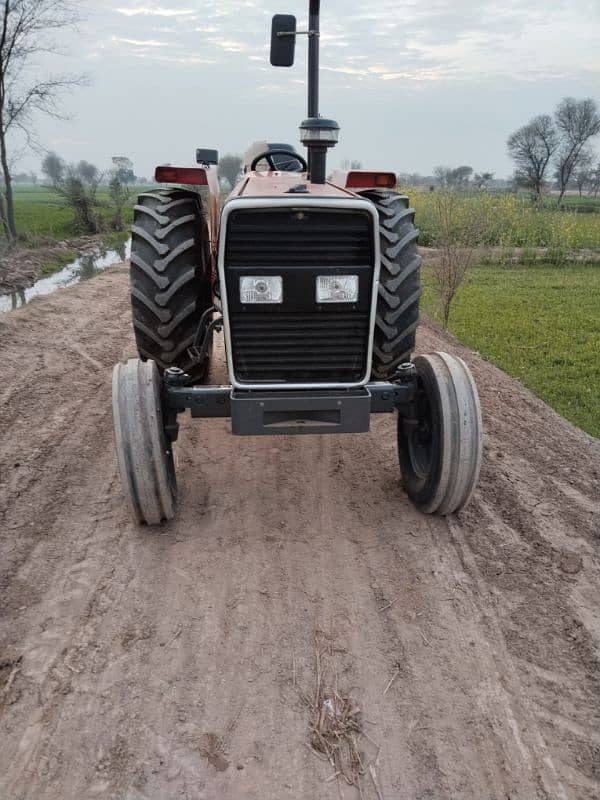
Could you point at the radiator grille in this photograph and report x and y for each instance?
(300, 348)
(299, 341)
(288, 237)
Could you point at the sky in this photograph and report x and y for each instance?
(413, 83)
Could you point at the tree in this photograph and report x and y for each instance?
(120, 197)
(123, 169)
(86, 172)
(230, 167)
(77, 184)
(441, 175)
(531, 147)
(348, 164)
(456, 231)
(595, 180)
(459, 178)
(481, 179)
(582, 175)
(24, 27)
(53, 167)
(577, 121)
(453, 178)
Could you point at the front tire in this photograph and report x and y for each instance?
(144, 454)
(440, 451)
(170, 277)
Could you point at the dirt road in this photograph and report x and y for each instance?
(156, 664)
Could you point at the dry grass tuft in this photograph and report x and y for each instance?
(335, 719)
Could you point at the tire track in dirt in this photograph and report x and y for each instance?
(161, 663)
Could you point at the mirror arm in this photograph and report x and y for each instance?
(298, 33)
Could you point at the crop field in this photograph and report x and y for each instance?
(540, 324)
(509, 220)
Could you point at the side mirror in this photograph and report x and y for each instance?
(283, 40)
(206, 156)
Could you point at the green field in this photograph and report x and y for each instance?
(41, 212)
(540, 324)
(574, 201)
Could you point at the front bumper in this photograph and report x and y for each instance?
(260, 413)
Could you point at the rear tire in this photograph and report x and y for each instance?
(399, 283)
(440, 453)
(144, 454)
(170, 277)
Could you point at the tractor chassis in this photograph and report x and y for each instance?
(256, 413)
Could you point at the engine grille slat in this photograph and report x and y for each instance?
(279, 237)
(280, 346)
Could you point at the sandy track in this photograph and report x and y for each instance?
(160, 664)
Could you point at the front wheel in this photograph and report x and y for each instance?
(440, 448)
(144, 454)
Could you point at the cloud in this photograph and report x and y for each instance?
(155, 11)
(139, 42)
(230, 45)
(180, 58)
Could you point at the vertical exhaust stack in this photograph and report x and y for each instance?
(316, 134)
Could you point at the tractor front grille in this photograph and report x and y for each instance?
(292, 347)
(299, 341)
(276, 237)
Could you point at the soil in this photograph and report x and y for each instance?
(184, 662)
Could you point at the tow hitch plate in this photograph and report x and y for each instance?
(263, 413)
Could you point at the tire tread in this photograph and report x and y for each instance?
(399, 283)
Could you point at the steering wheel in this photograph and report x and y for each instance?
(267, 155)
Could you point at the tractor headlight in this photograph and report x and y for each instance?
(261, 289)
(337, 288)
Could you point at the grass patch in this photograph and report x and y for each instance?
(540, 324)
(56, 261)
(42, 212)
(574, 201)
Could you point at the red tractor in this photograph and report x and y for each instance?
(316, 286)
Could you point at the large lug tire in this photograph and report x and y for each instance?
(440, 452)
(399, 283)
(171, 282)
(144, 454)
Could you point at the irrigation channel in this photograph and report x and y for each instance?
(80, 269)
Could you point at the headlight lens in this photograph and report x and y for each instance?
(337, 288)
(261, 289)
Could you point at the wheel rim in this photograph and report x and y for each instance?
(420, 439)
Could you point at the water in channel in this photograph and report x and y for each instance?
(81, 269)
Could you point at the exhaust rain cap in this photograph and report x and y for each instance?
(317, 132)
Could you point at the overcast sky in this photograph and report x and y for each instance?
(413, 83)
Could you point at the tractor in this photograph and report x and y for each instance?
(315, 284)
